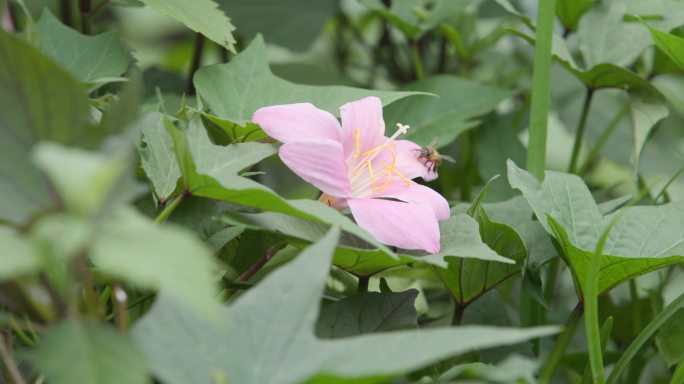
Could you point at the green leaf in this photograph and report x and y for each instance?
(469, 278)
(646, 110)
(604, 37)
(167, 258)
(514, 369)
(18, 256)
(459, 238)
(234, 91)
(88, 353)
(368, 312)
(91, 59)
(444, 118)
(40, 101)
(644, 239)
(211, 171)
(671, 45)
(669, 339)
(269, 331)
(294, 24)
(158, 159)
(201, 16)
(569, 12)
(84, 180)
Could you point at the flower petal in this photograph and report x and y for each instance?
(301, 121)
(416, 193)
(364, 115)
(406, 163)
(404, 225)
(320, 163)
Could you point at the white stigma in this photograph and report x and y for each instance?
(402, 129)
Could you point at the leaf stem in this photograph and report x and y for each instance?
(541, 89)
(643, 337)
(596, 149)
(195, 63)
(65, 12)
(363, 284)
(417, 63)
(9, 363)
(261, 261)
(561, 345)
(120, 299)
(84, 7)
(169, 208)
(457, 318)
(581, 127)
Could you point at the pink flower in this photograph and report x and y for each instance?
(357, 166)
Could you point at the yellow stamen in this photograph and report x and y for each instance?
(357, 137)
(370, 173)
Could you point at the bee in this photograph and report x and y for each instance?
(429, 156)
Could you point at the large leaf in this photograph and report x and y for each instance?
(40, 101)
(644, 238)
(469, 278)
(604, 37)
(166, 258)
(444, 118)
(211, 171)
(201, 16)
(234, 91)
(368, 312)
(293, 24)
(88, 353)
(158, 159)
(268, 335)
(459, 238)
(88, 58)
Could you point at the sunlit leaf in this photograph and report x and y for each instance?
(201, 16)
(273, 325)
(234, 91)
(88, 58)
(644, 238)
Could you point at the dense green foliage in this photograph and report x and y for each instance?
(150, 233)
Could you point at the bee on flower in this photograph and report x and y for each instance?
(357, 167)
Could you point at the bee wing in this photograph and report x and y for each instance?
(433, 142)
(447, 158)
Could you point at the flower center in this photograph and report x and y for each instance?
(363, 175)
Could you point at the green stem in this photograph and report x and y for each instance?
(417, 63)
(598, 146)
(605, 335)
(591, 321)
(84, 7)
(541, 89)
(579, 134)
(457, 318)
(678, 376)
(560, 346)
(643, 337)
(363, 284)
(65, 12)
(168, 210)
(554, 267)
(636, 307)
